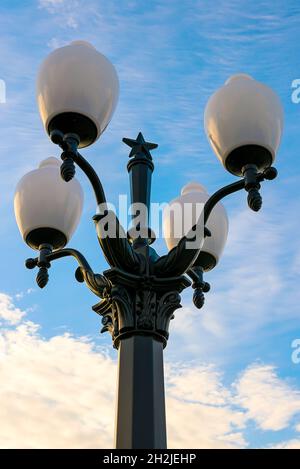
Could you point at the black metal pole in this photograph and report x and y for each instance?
(140, 168)
(140, 172)
(140, 419)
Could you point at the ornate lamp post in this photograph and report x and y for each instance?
(77, 94)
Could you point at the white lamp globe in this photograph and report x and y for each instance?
(77, 91)
(47, 209)
(191, 203)
(243, 121)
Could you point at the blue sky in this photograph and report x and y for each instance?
(234, 374)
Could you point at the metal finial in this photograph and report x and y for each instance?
(139, 145)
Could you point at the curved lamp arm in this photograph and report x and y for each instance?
(66, 252)
(69, 144)
(181, 258)
(93, 178)
(84, 273)
(219, 195)
(117, 250)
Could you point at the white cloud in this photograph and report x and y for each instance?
(60, 393)
(199, 409)
(194, 425)
(55, 393)
(204, 384)
(9, 312)
(268, 400)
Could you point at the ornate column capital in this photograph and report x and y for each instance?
(143, 305)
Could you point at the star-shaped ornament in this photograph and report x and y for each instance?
(140, 146)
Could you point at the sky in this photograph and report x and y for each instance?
(231, 380)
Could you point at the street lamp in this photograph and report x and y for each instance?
(77, 94)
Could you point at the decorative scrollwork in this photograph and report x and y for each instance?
(166, 306)
(97, 283)
(122, 302)
(116, 310)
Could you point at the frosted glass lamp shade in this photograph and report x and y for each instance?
(77, 91)
(243, 121)
(47, 209)
(194, 195)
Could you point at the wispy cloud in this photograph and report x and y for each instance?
(67, 11)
